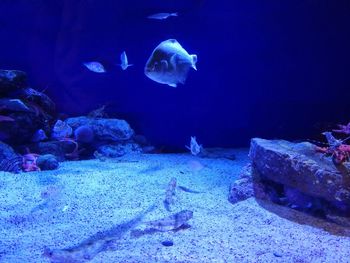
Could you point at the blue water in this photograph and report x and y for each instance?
(268, 69)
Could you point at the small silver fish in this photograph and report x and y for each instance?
(194, 147)
(170, 63)
(170, 223)
(169, 194)
(124, 61)
(162, 16)
(94, 66)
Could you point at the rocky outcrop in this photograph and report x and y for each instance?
(56, 148)
(295, 175)
(47, 162)
(23, 110)
(9, 160)
(118, 150)
(297, 165)
(113, 130)
(242, 188)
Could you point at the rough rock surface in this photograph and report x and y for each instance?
(6, 151)
(9, 160)
(118, 150)
(13, 105)
(56, 148)
(297, 165)
(104, 129)
(242, 188)
(47, 162)
(20, 130)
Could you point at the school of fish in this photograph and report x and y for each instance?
(169, 63)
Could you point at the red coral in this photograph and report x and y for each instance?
(345, 129)
(29, 162)
(340, 154)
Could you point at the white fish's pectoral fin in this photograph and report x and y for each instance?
(194, 61)
(172, 85)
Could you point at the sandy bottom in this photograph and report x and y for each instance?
(60, 209)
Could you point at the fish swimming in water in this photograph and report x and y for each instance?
(172, 223)
(95, 66)
(170, 63)
(188, 190)
(124, 61)
(194, 147)
(169, 194)
(90, 247)
(162, 16)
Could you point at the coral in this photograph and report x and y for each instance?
(47, 162)
(74, 155)
(29, 163)
(12, 165)
(61, 130)
(339, 151)
(84, 134)
(345, 129)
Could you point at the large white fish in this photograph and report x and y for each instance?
(169, 63)
(95, 66)
(161, 16)
(124, 61)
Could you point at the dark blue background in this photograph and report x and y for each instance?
(265, 68)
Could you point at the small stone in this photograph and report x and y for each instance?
(167, 243)
(47, 162)
(277, 254)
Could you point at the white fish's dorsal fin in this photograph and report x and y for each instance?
(172, 43)
(172, 85)
(173, 40)
(194, 61)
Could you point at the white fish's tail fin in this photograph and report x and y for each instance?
(194, 61)
(174, 14)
